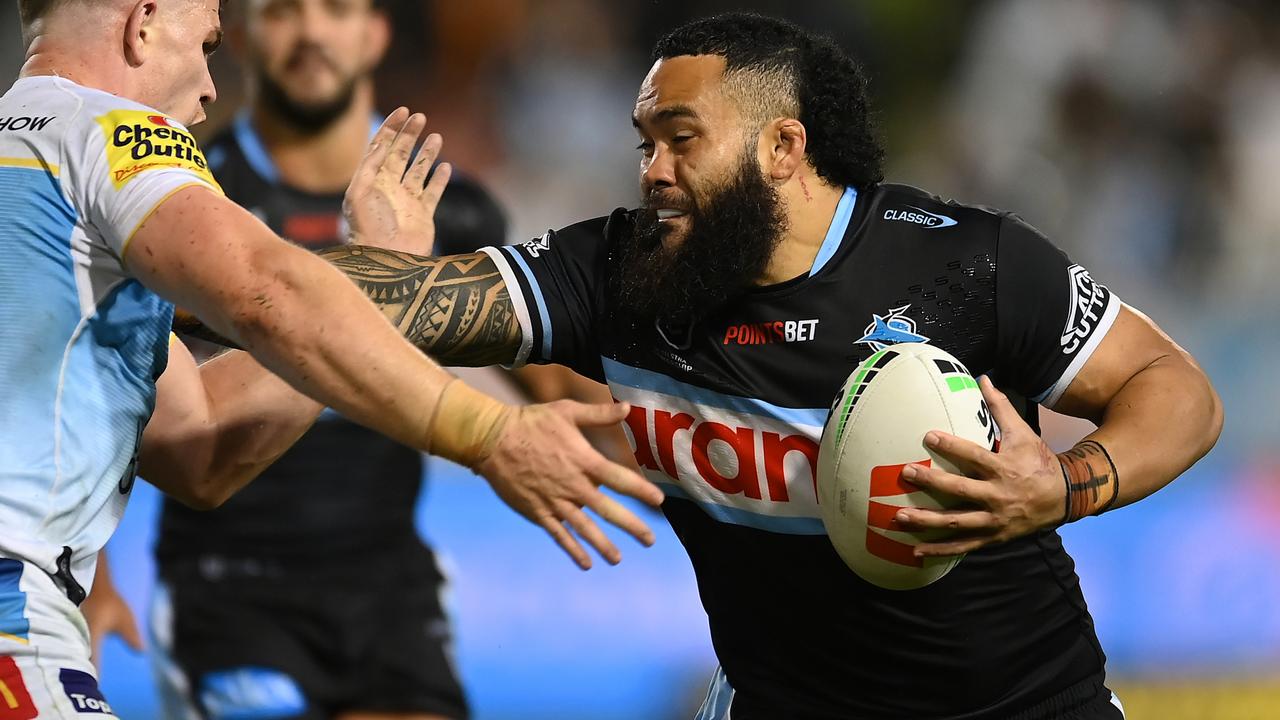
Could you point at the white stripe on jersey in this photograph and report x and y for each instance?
(517, 301)
(742, 460)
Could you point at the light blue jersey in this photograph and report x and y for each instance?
(83, 342)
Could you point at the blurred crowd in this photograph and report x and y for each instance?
(1142, 136)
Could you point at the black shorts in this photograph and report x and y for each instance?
(1089, 699)
(252, 638)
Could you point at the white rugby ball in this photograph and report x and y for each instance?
(876, 427)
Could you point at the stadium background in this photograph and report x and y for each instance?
(1144, 137)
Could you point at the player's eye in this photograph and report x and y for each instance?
(645, 147)
(681, 139)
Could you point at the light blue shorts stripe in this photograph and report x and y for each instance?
(719, 698)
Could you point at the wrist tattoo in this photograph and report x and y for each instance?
(1092, 483)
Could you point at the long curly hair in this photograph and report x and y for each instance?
(828, 88)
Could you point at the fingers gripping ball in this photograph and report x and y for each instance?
(876, 428)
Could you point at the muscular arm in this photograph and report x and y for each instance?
(218, 425)
(456, 308)
(1157, 415)
(1156, 410)
(301, 319)
(291, 310)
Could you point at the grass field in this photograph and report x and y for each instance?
(1199, 698)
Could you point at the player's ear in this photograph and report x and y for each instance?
(377, 37)
(139, 26)
(785, 140)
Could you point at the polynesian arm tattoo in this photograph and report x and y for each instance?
(456, 308)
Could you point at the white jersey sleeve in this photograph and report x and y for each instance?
(126, 162)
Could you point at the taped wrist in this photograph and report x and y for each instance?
(466, 424)
(1092, 483)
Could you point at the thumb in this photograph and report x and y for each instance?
(598, 414)
(1002, 411)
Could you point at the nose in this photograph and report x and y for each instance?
(311, 22)
(658, 171)
(208, 93)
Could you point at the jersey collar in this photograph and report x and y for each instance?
(835, 233)
(255, 153)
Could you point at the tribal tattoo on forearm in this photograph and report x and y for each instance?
(1092, 483)
(456, 308)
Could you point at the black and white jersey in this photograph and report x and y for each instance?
(726, 418)
(342, 491)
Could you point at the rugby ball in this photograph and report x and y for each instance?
(877, 427)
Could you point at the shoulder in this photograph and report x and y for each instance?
(107, 112)
(618, 223)
(912, 206)
(585, 242)
(905, 211)
(82, 115)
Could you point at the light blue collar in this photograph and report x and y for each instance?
(835, 233)
(256, 153)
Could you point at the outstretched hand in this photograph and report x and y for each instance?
(106, 613)
(390, 203)
(544, 468)
(1006, 494)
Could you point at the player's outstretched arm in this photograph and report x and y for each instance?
(303, 320)
(107, 613)
(1157, 415)
(456, 308)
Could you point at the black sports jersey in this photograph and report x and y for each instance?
(342, 491)
(726, 417)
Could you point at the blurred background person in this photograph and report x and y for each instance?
(1140, 134)
(309, 594)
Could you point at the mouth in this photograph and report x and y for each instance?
(669, 214)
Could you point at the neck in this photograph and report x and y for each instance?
(46, 56)
(811, 204)
(318, 161)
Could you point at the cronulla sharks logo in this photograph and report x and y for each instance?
(890, 329)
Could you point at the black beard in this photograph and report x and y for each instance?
(726, 250)
(309, 117)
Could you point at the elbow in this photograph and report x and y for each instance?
(186, 480)
(208, 496)
(198, 492)
(1202, 410)
(1216, 418)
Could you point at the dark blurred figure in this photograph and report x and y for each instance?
(310, 594)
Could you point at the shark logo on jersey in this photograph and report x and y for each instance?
(892, 328)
